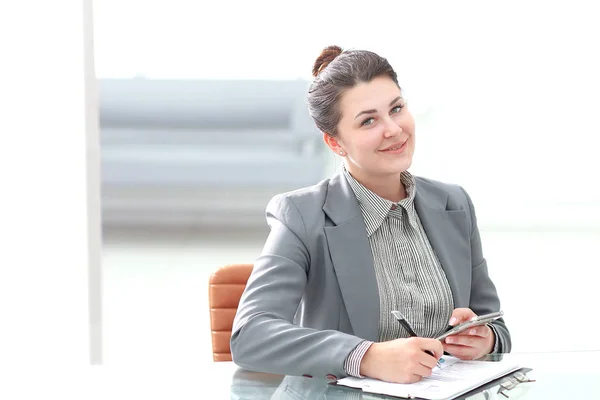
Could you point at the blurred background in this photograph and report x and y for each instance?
(202, 120)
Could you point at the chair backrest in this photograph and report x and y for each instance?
(226, 286)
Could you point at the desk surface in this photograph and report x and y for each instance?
(569, 375)
(573, 375)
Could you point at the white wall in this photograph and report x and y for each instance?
(49, 174)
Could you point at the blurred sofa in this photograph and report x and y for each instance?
(203, 152)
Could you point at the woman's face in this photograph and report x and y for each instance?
(376, 131)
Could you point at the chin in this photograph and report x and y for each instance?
(400, 166)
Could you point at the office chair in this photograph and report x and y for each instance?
(226, 286)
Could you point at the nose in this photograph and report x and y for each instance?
(391, 128)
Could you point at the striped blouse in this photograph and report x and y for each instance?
(409, 275)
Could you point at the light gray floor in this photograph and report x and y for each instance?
(156, 307)
(156, 291)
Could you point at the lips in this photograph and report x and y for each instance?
(395, 146)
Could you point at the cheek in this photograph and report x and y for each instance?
(368, 142)
(406, 122)
(411, 142)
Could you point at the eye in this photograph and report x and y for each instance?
(368, 121)
(397, 109)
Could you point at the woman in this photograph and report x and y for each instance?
(341, 255)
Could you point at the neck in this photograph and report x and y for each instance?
(388, 187)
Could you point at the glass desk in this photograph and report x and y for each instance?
(571, 375)
(567, 375)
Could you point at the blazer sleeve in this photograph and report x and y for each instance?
(264, 337)
(484, 296)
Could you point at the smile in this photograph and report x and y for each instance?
(399, 148)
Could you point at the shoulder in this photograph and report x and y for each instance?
(458, 198)
(453, 190)
(307, 196)
(307, 202)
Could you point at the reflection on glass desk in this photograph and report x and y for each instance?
(569, 375)
(572, 375)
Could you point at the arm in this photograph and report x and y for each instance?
(484, 297)
(263, 337)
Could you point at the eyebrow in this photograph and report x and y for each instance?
(373, 110)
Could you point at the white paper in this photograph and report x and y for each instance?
(455, 377)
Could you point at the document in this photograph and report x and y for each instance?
(453, 378)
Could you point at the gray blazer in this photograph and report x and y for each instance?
(313, 296)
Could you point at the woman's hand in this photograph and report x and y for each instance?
(401, 360)
(471, 344)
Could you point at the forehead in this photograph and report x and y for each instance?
(375, 94)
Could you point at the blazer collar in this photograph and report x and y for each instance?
(341, 204)
(429, 196)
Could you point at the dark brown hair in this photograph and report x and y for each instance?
(335, 72)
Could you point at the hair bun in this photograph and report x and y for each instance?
(328, 54)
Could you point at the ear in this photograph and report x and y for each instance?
(333, 144)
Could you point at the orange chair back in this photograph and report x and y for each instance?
(226, 286)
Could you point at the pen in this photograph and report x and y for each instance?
(398, 315)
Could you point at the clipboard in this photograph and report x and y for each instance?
(492, 384)
(473, 377)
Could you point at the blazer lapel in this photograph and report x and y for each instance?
(448, 234)
(350, 253)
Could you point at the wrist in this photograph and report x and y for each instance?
(354, 359)
(369, 360)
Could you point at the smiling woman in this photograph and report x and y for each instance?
(346, 252)
(376, 142)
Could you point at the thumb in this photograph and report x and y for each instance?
(432, 345)
(460, 315)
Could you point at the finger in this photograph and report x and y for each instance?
(413, 378)
(422, 370)
(461, 315)
(465, 340)
(480, 331)
(429, 361)
(434, 346)
(462, 352)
